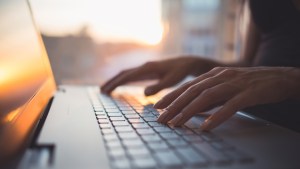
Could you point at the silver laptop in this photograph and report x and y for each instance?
(62, 127)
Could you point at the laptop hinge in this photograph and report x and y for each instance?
(37, 155)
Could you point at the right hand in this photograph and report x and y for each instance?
(168, 72)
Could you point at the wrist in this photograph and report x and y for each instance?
(240, 63)
(294, 81)
(201, 65)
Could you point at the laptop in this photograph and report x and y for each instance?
(44, 126)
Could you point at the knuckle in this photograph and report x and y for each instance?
(208, 93)
(192, 89)
(123, 72)
(149, 64)
(229, 72)
(187, 84)
(218, 69)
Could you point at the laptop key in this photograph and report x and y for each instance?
(121, 129)
(183, 131)
(133, 143)
(120, 123)
(138, 152)
(117, 153)
(108, 131)
(155, 124)
(168, 159)
(150, 119)
(177, 143)
(169, 135)
(147, 115)
(162, 129)
(132, 116)
(126, 136)
(193, 138)
(111, 137)
(145, 131)
(155, 113)
(112, 110)
(117, 118)
(126, 109)
(114, 114)
(110, 106)
(99, 110)
(102, 116)
(103, 113)
(114, 144)
(158, 146)
(214, 155)
(121, 164)
(140, 126)
(141, 110)
(128, 112)
(136, 121)
(122, 103)
(144, 163)
(151, 138)
(103, 121)
(105, 126)
(192, 157)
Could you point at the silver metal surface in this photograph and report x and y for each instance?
(72, 128)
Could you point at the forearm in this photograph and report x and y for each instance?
(199, 65)
(250, 37)
(293, 80)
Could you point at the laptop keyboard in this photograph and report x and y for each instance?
(134, 139)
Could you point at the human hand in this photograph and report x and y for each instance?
(231, 88)
(169, 72)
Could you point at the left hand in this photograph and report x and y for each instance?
(231, 88)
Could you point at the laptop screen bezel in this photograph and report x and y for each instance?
(16, 133)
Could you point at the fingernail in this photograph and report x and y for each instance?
(205, 125)
(104, 89)
(158, 104)
(148, 91)
(162, 116)
(176, 119)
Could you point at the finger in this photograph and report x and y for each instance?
(105, 88)
(186, 97)
(169, 98)
(208, 99)
(142, 72)
(168, 80)
(235, 104)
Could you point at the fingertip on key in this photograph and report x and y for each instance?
(206, 125)
(158, 105)
(161, 118)
(175, 121)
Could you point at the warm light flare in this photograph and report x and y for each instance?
(108, 20)
(11, 116)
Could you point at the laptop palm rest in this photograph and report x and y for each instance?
(71, 127)
(258, 138)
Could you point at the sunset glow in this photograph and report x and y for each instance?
(107, 20)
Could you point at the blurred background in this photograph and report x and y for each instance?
(89, 41)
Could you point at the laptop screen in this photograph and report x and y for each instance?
(25, 73)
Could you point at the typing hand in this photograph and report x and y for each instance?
(231, 88)
(168, 72)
